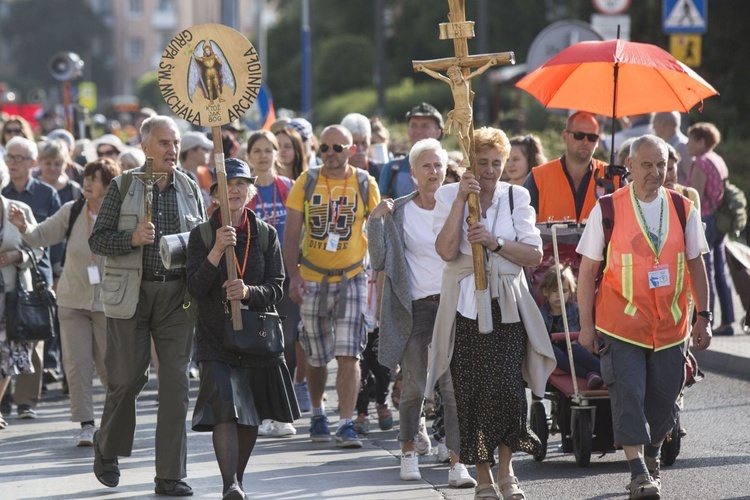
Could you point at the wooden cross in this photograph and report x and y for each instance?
(459, 74)
(148, 178)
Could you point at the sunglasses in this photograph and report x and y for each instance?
(107, 152)
(13, 131)
(336, 147)
(578, 136)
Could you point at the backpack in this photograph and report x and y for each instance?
(731, 214)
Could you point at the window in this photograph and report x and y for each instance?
(165, 6)
(135, 49)
(135, 8)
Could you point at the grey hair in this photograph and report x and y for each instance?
(671, 118)
(60, 134)
(425, 145)
(649, 140)
(157, 121)
(135, 155)
(29, 145)
(357, 124)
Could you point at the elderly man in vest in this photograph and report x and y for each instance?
(653, 259)
(144, 301)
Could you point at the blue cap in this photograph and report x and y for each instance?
(237, 168)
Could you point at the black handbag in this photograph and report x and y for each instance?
(261, 333)
(30, 315)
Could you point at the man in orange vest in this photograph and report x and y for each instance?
(653, 255)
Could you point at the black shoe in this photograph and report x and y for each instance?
(106, 470)
(726, 331)
(172, 487)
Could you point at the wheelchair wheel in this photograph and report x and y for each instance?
(582, 438)
(538, 424)
(670, 449)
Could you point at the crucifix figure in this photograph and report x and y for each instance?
(462, 115)
(148, 179)
(459, 75)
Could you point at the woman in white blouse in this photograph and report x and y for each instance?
(488, 370)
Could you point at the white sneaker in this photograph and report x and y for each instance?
(459, 477)
(422, 440)
(443, 453)
(410, 467)
(282, 429)
(265, 428)
(85, 437)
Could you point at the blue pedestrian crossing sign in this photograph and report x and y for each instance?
(685, 16)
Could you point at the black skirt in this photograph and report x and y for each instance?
(489, 387)
(245, 394)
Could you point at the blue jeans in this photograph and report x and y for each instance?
(716, 270)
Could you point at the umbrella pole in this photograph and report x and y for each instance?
(614, 114)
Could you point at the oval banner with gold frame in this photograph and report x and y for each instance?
(209, 74)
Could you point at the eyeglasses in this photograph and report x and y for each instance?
(13, 131)
(578, 136)
(106, 152)
(336, 147)
(17, 158)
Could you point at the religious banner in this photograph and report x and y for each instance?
(209, 75)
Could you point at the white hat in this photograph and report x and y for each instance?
(192, 140)
(106, 139)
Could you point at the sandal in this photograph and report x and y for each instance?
(654, 469)
(513, 492)
(643, 488)
(485, 491)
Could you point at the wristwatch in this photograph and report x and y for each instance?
(500, 244)
(706, 314)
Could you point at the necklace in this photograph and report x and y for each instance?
(644, 225)
(241, 270)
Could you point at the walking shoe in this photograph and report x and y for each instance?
(422, 440)
(106, 470)
(410, 467)
(265, 428)
(642, 487)
(85, 436)
(346, 437)
(26, 411)
(595, 381)
(362, 424)
(319, 432)
(459, 477)
(654, 469)
(385, 417)
(303, 396)
(234, 493)
(172, 487)
(443, 453)
(282, 429)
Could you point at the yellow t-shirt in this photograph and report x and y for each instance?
(331, 198)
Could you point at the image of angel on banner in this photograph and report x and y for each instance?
(209, 72)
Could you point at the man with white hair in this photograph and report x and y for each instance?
(143, 301)
(359, 125)
(21, 158)
(667, 126)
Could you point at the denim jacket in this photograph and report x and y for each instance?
(571, 309)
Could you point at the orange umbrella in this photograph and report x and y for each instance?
(616, 78)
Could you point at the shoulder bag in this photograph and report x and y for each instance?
(30, 315)
(261, 333)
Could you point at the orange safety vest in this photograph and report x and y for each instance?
(626, 307)
(556, 199)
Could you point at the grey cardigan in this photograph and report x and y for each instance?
(385, 238)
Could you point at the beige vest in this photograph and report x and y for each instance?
(122, 274)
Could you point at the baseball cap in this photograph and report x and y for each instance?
(302, 126)
(236, 168)
(192, 140)
(425, 109)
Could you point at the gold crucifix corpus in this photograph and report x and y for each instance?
(459, 75)
(148, 179)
